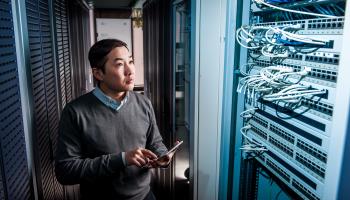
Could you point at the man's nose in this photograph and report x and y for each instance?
(129, 69)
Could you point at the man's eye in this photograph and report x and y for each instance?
(131, 62)
(119, 64)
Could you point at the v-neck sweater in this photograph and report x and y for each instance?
(91, 139)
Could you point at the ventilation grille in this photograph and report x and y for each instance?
(44, 94)
(14, 181)
(63, 51)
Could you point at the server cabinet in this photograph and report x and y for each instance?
(15, 179)
(289, 83)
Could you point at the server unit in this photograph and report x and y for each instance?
(289, 67)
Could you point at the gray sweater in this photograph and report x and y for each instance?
(91, 139)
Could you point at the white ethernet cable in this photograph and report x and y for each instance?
(293, 11)
(247, 40)
(293, 94)
(276, 29)
(249, 37)
(248, 113)
(249, 147)
(292, 36)
(270, 51)
(250, 140)
(252, 145)
(273, 39)
(272, 77)
(278, 78)
(243, 82)
(242, 72)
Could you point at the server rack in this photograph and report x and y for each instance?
(298, 138)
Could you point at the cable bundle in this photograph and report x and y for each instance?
(276, 41)
(273, 84)
(251, 145)
(293, 94)
(269, 3)
(251, 37)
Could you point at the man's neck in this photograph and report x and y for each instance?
(119, 96)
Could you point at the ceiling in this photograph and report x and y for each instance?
(112, 4)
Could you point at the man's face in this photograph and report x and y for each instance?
(119, 72)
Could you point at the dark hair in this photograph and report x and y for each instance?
(99, 51)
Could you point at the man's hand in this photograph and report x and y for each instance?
(139, 157)
(162, 161)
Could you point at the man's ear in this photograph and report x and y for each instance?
(97, 73)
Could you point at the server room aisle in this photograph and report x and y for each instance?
(258, 90)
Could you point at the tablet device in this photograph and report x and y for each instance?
(173, 150)
(164, 159)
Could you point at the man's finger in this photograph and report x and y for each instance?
(140, 159)
(149, 154)
(136, 162)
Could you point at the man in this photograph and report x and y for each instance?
(108, 138)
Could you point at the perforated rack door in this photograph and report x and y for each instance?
(44, 96)
(14, 179)
(63, 51)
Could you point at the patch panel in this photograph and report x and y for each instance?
(306, 120)
(287, 177)
(313, 168)
(310, 107)
(288, 173)
(311, 181)
(289, 132)
(321, 77)
(320, 155)
(330, 27)
(315, 107)
(318, 106)
(336, 23)
(319, 59)
(301, 188)
(283, 134)
(257, 131)
(309, 60)
(279, 170)
(287, 150)
(297, 156)
(295, 56)
(260, 121)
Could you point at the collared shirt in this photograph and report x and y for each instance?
(111, 103)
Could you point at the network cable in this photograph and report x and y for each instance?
(281, 1)
(276, 41)
(248, 67)
(251, 145)
(280, 36)
(265, 3)
(272, 84)
(247, 114)
(250, 40)
(293, 94)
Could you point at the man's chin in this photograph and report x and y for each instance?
(130, 87)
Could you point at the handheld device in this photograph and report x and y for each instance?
(165, 158)
(173, 150)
